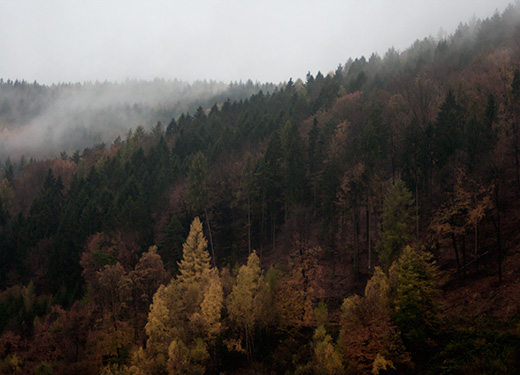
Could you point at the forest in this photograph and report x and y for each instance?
(364, 221)
(41, 121)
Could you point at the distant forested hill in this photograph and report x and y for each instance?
(41, 121)
(364, 221)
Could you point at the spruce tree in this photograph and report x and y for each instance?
(185, 316)
(397, 223)
(416, 308)
(198, 191)
(195, 258)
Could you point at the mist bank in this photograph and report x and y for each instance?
(42, 121)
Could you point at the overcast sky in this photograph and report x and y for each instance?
(229, 40)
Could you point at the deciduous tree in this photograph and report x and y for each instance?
(248, 300)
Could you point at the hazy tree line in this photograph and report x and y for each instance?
(303, 230)
(40, 120)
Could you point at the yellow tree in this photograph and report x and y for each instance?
(211, 307)
(298, 287)
(162, 329)
(148, 275)
(248, 299)
(185, 316)
(325, 359)
(369, 339)
(195, 257)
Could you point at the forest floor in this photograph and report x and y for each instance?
(479, 296)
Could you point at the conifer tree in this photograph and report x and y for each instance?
(195, 259)
(414, 279)
(396, 226)
(185, 316)
(198, 191)
(448, 129)
(245, 193)
(171, 247)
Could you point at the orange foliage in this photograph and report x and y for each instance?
(300, 286)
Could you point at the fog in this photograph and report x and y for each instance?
(225, 40)
(41, 121)
(131, 43)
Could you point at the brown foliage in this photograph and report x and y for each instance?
(367, 330)
(299, 286)
(102, 249)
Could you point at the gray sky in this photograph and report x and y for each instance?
(230, 40)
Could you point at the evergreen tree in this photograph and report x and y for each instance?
(448, 130)
(198, 191)
(171, 247)
(185, 316)
(195, 258)
(245, 193)
(416, 308)
(396, 224)
(480, 137)
(44, 213)
(294, 165)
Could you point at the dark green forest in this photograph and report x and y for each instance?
(364, 221)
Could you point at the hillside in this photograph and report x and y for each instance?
(39, 121)
(362, 221)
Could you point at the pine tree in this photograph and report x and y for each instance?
(414, 279)
(397, 221)
(171, 247)
(198, 191)
(195, 258)
(448, 129)
(244, 195)
(185, 316)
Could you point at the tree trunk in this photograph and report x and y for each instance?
(454, 242)
(476, 246)
(499, 237)
(463, 247)
(315, 186)
(369, 239)
(210, 238)
(273, 225)
(358, 250)
(262, 226)
(416, 209)
(517, 162)
(249, 225)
